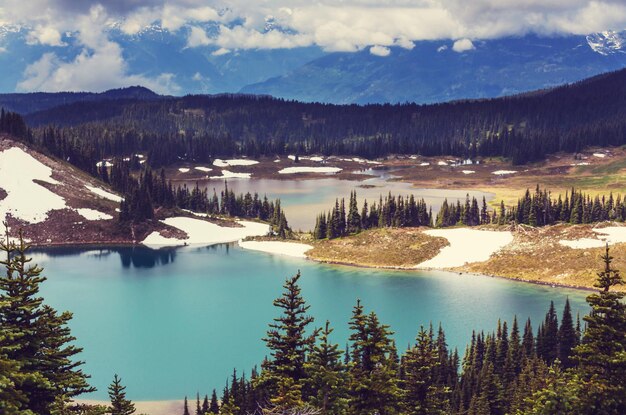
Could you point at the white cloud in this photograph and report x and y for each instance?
(197, 37)
(99, 66)
(380, 50)
(44, 35)
(463, 45)
(442, 48)
(220, 52)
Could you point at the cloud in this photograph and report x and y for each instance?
(44, 35)
(380, 50)
(197, 37)
(463, 45)
(100, 65)
(220, 52)
(442, 48)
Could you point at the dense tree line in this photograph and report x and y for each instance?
(393, 211)
(13, 124)
(559, 369)
(523, 128)
(150, 191)
(538, 208)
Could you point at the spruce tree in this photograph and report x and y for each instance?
(119, 404)
(42, 346)
(601, 356)
(421, 393)
(326, 376)
(288, 342)
(568, 338)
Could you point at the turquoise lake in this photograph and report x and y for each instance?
(174, 322)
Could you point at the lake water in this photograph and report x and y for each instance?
(303, 200)
(175, 322)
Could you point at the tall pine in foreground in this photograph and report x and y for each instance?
(288, 341)
(601, 356)
(50, 376)
(119, 404)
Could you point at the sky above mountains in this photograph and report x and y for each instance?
(97, 60)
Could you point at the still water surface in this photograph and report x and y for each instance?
(175, 322)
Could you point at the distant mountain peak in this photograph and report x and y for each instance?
(136, 91)
(608, 42)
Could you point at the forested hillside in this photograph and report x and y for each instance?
(523, 128)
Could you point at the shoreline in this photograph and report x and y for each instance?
(455, 270)
(450, 270)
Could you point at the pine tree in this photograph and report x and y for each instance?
(214, 407)
(601, 356)
(421, 394)
(374, 387)
(568, 339)
(186, 407)
(43, 345)
(326, 376)
(119, 404)
(288, 342)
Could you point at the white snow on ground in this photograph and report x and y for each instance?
(316, 158)
(291, 157)
(413, 157)
(584, 163)
(232, 175)
(612, 235)
(92, 214)
(442, 163)
(424, 164)
(183, 170)
(233, 162)
(291, 170)
(104, 194)
(26, 199)
(292, 249)
(104, 163)
(201, 232)
(204, 169)
(277, 161)
(466, 246)
(468, 172)
(599, 155)
(504, 172)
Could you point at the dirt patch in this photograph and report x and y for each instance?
(3, 194)
(380, 248)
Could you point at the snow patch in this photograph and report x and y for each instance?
(183, 170)
(201, 232)
(203, 169)
(442, 163)
(104, 194)
(291, 170)
(611, 235)
(232, 175)
(104, 163)
(466, 246)
(599, 155)
(92, 214)
(233, 162)
(468, 172)
(504, 172)
(26, 200)
(291, 249)
(424, 164)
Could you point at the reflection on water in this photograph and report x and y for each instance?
(130, 256)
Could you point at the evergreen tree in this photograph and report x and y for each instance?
(421, 394)
(568, 338)
(119, 404)
(326, 376)
(42, 348)
(288, 342)
(601, 356)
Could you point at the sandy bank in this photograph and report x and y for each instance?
(146, 407)
(292, 249)
(466, 246)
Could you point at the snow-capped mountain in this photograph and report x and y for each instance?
(608, 42)
(432, 71)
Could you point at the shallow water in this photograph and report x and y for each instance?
(175, 322)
